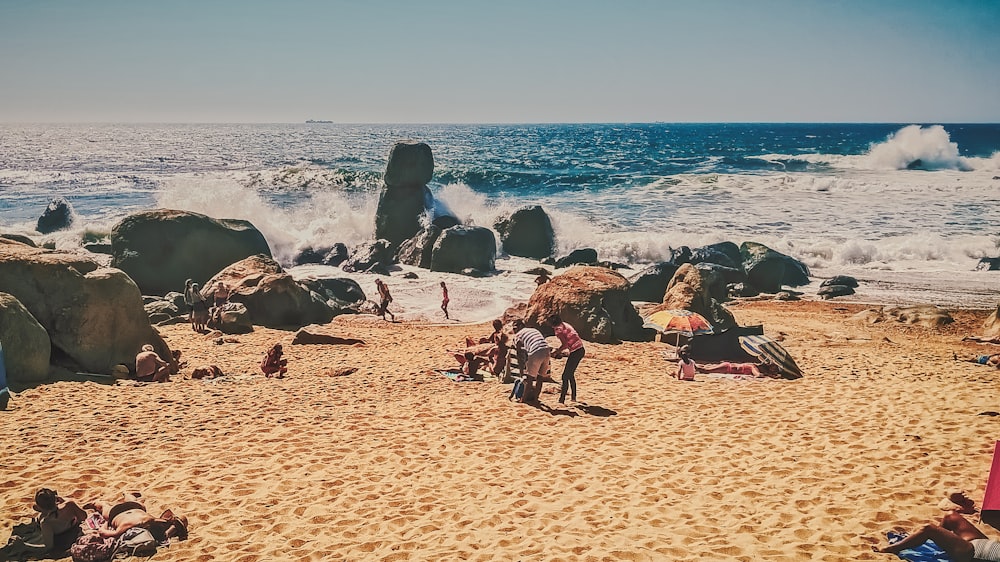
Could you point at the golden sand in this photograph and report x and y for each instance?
(396, 462)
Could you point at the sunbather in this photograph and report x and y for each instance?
(686, 367)
(130, 512)
(959, 538)
(988, 360)
(765, 369)
(149, 367)
(56, 517)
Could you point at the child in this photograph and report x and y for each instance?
(686, 367)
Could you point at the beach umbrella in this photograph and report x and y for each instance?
(763, 347)
(680, 322)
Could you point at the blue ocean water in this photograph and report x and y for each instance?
(908, 207)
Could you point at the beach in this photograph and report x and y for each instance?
(396, 462)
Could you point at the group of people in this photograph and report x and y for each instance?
(61, 523)
(535, 355)
(385, 298)
(200, 312)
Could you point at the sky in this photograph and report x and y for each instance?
(500, 61)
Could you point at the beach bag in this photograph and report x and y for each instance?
(92, 548)
(136, 542)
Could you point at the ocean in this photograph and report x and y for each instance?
(908, 209)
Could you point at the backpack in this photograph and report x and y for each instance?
(92, 548)
(136, 542)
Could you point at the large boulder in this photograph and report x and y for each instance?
(375, 256)
(527, 232)
(725, 254)
(272, 297)
(594, 300)
(768, 270)
(698, 290)
(405, 197)
(94, 316)
(234, 318)
(26, 343)
(581, 256)
(417, 251)
(650, 284)
(342, 295)
(464, 247)
(58, 215)
(162, 248)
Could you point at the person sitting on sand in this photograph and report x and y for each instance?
(58, 523)
(765, 369)
(149, 367)
(273, 365)
(470, 364)
(130, 512)
(532, 344)
(956, 536)
(686, 367)
(988, 360)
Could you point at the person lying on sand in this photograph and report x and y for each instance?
(982, 339)
(55, 517)
(149, 367)
(122, 516)
(988, 360)
(765, 369)
(960, 539)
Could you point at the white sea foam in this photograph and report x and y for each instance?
(931, 146)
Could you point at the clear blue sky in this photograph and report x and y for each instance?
(499, 61)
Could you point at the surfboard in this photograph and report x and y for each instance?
(4, 391)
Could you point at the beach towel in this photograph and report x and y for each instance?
(991, 498)
(927, 552)
(453, 375)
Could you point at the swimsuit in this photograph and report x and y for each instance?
(983, 359)
(985, 549)
(122, 508)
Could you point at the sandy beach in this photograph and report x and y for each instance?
(396, 462)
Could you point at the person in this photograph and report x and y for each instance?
(499, 338)
(220, 295)
(384, 299)
(189, 297)
(765, 369)
(199, 309)
(444, 300)
(686, 367)
(531, 343)
(58, 524)
(470, 364)
(149, 367)
(273, 365)
(122, 516)
(988, 360)
(542, 278)
(955, 535)
(571, 347)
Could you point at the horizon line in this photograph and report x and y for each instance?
(497, 123)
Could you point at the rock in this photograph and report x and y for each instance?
(928, 316)
(162, 248)
(405, 197)
(583, 256)
(463, 247)
(768, 270)
(680, 256)
(20, 238)
(991, 327)
(725, 254)
(98, 248)
(417, 251)
(445, 221)
(57, 216)
(309, 255)
(410, 275)
(528, 233)
(94, 316)
(988, 264)
(337, 255)
(234, 318)
(831, 291)
(373, 256)
(25, 342)
(650, 284)
(594, 300)
(742, 290)
(840, 280)
(341, 294)
(307, 337)
(786, 296)
(692, 288)
(410, 163)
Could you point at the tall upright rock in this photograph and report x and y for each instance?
(405, 197)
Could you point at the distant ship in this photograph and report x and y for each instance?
(318, 121)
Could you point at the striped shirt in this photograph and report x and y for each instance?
(568, 337)
(531, 340)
